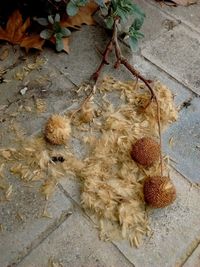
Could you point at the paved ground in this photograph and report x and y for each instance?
(170, 52)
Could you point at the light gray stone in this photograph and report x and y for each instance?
(174, 230)
(75, 243)
(194, 259)
(152, 72)
(190, 15)
(185, 147)
(23, 223)
(46, 86)
(177, 52)
(155, 23)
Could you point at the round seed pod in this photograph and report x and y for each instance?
(86, 116)
(57, 130)
(145, 151)
(159, 191)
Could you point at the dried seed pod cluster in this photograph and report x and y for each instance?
(87, 113)
(159, 192)
(145, 151)
(57, 130)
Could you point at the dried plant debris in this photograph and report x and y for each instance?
(112, 183)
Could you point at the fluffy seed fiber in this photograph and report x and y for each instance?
(145, 151)
(57, 130)
(159, 191)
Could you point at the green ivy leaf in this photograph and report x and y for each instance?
(137, 23)
(65, 32)
(57, 27)
(42, 21)
(50, 19)
(138, 11)
(100, 3)
(80, 3)
(46, 34)
(57, 18)
(109, 22)
(104, 11)
(133, 42)
(59, 44)
(71, 9)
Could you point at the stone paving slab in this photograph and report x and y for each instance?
(152, 72)
(80, 70)
(176, 228)
(75, 243)
(155, 23)
(177, 52)
(190, 15)
(24, 225)
(185, 142)
(194, 259)
(48, 91)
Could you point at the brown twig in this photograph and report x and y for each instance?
(92, 92)
(120, 59)
(104, 61)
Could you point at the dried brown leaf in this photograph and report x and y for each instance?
(15, 32)
(84, 16)
(4, 54)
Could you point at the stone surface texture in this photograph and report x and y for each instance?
(170, 53)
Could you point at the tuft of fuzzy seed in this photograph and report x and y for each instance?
(57, 130)
(145, 151)
(159, 192)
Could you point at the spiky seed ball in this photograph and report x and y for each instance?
(57, 130)
(159, 191)
(145, 151)
(86, 116)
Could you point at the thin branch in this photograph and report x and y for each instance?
(122, 60)
(92, 92)
(104, 61)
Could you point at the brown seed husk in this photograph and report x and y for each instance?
(159, 191)
(112, 183)
(145, 151)
(57, 130)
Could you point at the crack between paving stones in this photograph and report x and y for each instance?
(42, 237)
(66, 76)
(194, 94)
(185, 23)
(193, 246)
(79, 208)
(185, 178)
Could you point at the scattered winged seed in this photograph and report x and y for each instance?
(1, 227)
(9, 192)
(111, 181)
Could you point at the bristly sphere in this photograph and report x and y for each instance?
(57, 130)
(145, 151)
(159, 192)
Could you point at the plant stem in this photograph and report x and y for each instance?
(104, 61)
(121, 60)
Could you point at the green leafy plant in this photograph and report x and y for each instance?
(74, 5)
(125, 9)
(56, 30)
(49, 13)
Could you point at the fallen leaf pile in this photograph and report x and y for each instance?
(16, 32)
(112, 183)
(84, 16)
